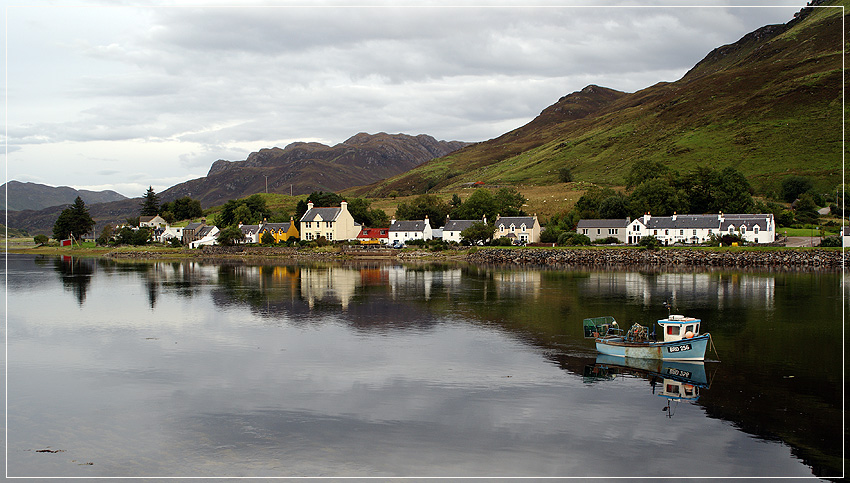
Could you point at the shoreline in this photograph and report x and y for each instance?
(818, 259)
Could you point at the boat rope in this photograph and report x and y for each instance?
(711, 339)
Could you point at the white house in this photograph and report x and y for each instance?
(171, 232)
(152, 222)
(524, 229)
(752, 228)
(401, 231)
(206, 236)
(251, 233)
(453, 228)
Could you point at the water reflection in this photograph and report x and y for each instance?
(674, 381)
(407, 355)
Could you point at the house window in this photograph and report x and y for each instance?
(328, 224)
(513, 228)
(584, 231)
(329, 236)
(695, 233)
(731, 229)
(743, 229)
(666, 232)
(756, 230)
(309, 236)
(654, 232)
(681, 232)
(598, 231)
(308, 225)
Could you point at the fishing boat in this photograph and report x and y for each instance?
(682, 340)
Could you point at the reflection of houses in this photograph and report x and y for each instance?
(403, 280)
(518, 283)
(519, 229)
(327, 284)
(755, 228)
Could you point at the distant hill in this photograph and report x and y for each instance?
(769, 105)
(301, 168)
(34, 196)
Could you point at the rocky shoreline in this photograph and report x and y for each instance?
(770, 259)
(810, 259)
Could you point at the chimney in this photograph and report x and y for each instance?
(674, 216)
(485, 219)
(343, 205)
(646, 218)
(309, 205)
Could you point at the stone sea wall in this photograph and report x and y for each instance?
(794, 259)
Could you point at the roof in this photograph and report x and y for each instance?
(409, 225)
(608, 223)
(249, 228)
(204, 231)
(193, 226)
(459, 225)
(374, 233)
(276, 226)
(515, 220)
(326, 214)
(684, 222)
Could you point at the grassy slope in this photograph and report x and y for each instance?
(767, 108)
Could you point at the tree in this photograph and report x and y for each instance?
(478, 232)
(732, 193)
(105, 235)
(565, 175)
(655, 196)
(74, 221)
(614, 206)
(509, 202)
(479, 204)
(645, 170)
(267, 238)
(230, 236)
(184, 208)
(793, 186)
(362, 213)
(424, 205)
(40, 239)
(806, 210)
(150, 203)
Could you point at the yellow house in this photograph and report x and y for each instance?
(280, 231)
(331, 223)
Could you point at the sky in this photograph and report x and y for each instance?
(126, 95)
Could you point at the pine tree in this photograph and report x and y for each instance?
(73, 221)
(150, 203)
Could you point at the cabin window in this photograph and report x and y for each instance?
(696, 331)
(672, 330)
(689, 328)
(672, 389)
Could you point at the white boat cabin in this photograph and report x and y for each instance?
(678, 327)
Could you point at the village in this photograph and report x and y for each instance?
(335, 224)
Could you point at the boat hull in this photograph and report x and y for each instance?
(692, 349)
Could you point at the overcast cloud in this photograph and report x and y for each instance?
(123, 97)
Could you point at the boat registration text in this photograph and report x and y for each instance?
(679, 348)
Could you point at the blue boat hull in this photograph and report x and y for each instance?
(692, 349)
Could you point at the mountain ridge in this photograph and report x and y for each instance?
(37, 196)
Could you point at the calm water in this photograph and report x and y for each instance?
(191, 369)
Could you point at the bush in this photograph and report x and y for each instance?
(501, 242)
(727, 240)
(611, 240)
(649, 242)
(573, 239)
(40, 239)
(565, 175)
(831, 241)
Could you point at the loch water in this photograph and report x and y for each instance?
(383, 369)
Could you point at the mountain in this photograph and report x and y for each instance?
(34, 196)
(768, 105)
(301, 168)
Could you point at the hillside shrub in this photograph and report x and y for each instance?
(611, 240)
(831, 241)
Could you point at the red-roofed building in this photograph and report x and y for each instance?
(374, 235)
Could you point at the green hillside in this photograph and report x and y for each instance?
(769, 105)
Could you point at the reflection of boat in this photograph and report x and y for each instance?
(682, 340)
(680, 381)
